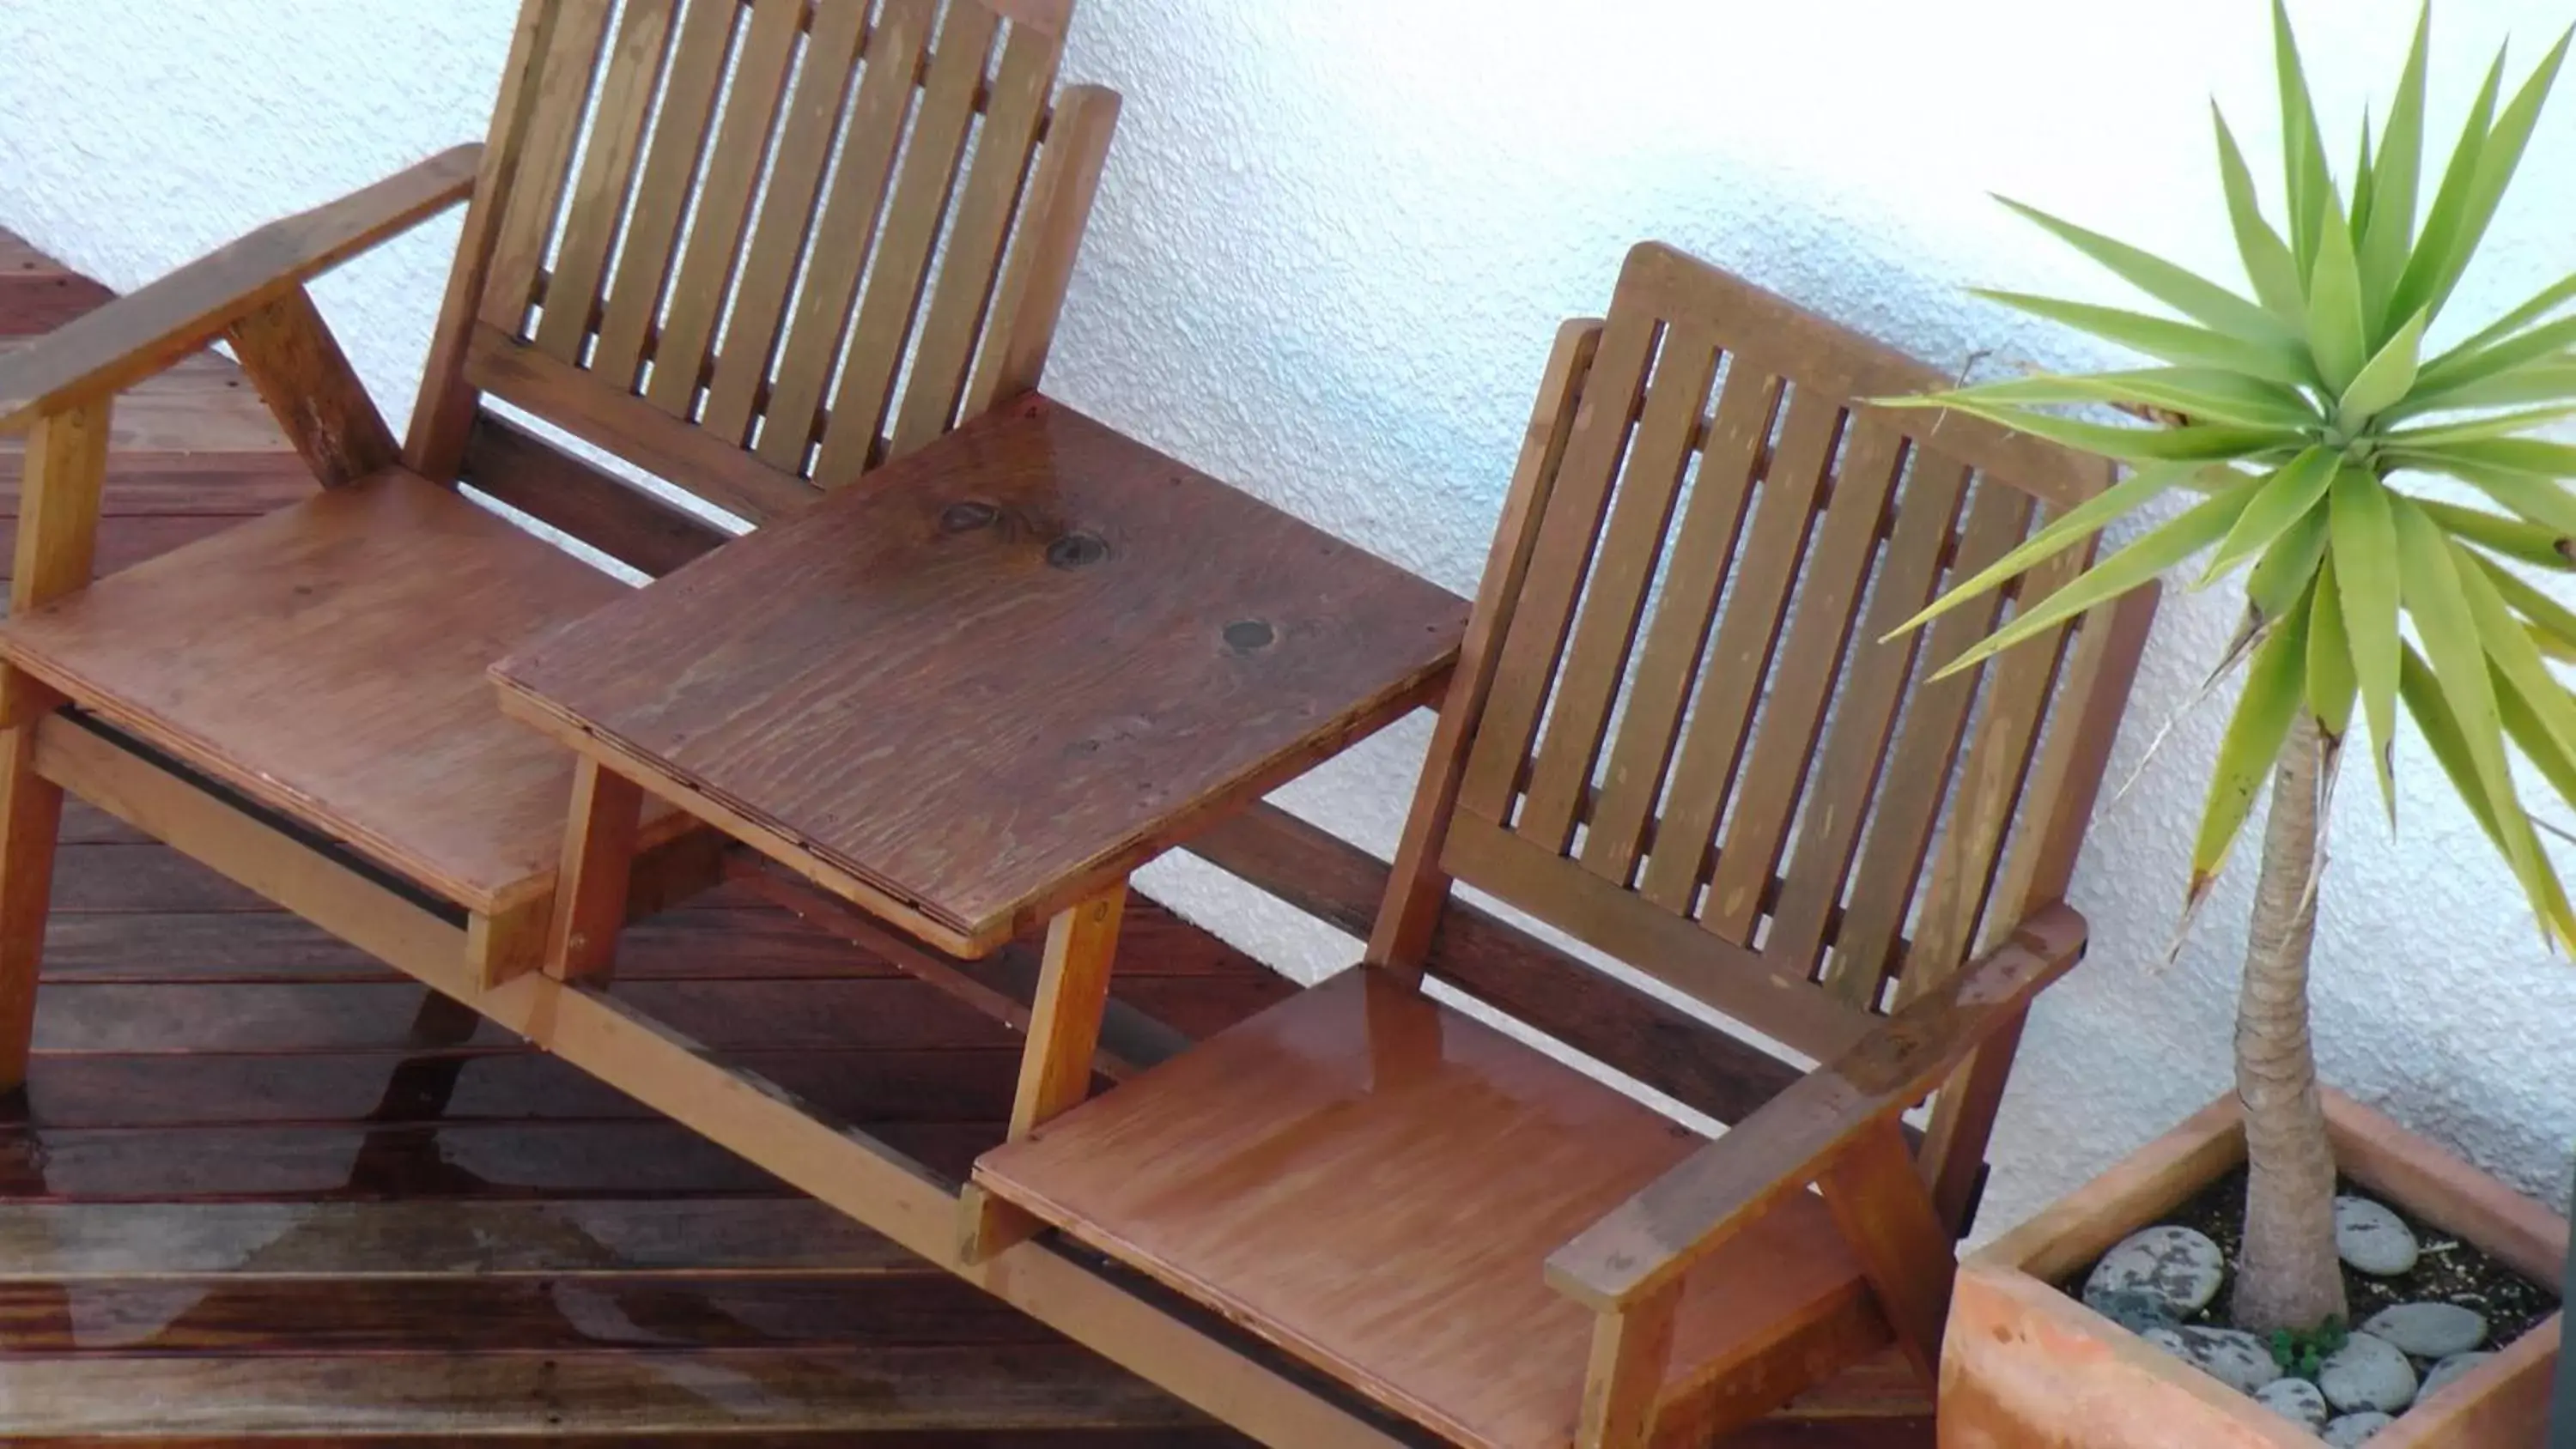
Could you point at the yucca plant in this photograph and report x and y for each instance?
(2298, 426)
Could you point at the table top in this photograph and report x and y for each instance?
(997, 675)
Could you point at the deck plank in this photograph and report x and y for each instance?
(65, 1244)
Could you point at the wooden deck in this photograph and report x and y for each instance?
(261, 1186)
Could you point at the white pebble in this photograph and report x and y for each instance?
(2371, 1239)
(2367, 1373)
(2429, 1330)
(2180, 1267)
(2352, 1429)
(2296, 1400)
(2440, 1375)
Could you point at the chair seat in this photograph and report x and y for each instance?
(328, 660)
(1374, 1182)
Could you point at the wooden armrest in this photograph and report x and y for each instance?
(147, 330)
(1653, 1237)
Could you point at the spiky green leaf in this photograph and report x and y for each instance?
(2274, 691)
(2436, 241)
(2268, 263)
(2551, 623)
(2177, 287)
(2497, 161)
(2501, 632)
(2182, 343)
(2199, 443)
(2513, 538)
(2390, 233)
(2438, 604)
(2177, 539)
(2480, 429)
(2289, 496)
(2331, 684)
(2274, 584)
(2385, 379)
(2539, 500)
(2456, 369)
(2433, 719)
(2550, 379)
(2202, 394)
(2526, 706)
(2365, 551)
(2338, 333)
(2075, 525)
(2543, 303)
(2309, 183)
(2522, 721)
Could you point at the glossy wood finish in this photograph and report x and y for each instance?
(868, 200)
(1373, 1180)
(1846, 1106)
(1640, 773)
(1308, 868)
(256, 1167)
(1625, 752)
(114, 346)
(259, 654)
(1164, 648)
(243, 1134)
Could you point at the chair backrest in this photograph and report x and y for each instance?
(1681, 737)
(761, 246)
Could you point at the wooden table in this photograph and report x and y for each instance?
(975, 693)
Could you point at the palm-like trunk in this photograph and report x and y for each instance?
(2290, 1277)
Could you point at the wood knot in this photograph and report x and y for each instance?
(967, 517)
(1077, 551)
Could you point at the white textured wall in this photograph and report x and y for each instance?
(1335, 241)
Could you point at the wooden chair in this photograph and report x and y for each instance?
(1676, 736)
(757, 247)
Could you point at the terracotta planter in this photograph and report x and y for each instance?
(2027, 1367)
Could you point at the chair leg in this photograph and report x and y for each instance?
(598, 866)
(1055, 1067)
(1886, 1214)
(31, 809)
(1631, 1347)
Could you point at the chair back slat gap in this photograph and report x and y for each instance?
(607, 174)
(733, 170)
(914, 224)
(1990, 794)
(682, 131)
(782, 238)
(1614, 398)
(1773, 550)
(520, 276)
(1812, 659)
(1854, 757)
(1923, 766)
(1705, 550)
(1028, 301)
(851, 217)
(1614, 599)
(970, 271)
(1690, 738)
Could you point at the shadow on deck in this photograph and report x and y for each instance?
(262, 1186)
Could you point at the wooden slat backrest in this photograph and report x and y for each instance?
(1693, 749)
(759, 247)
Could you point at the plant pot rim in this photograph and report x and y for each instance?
(2017, 1275)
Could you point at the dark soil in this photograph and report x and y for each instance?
(2450, 1270)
